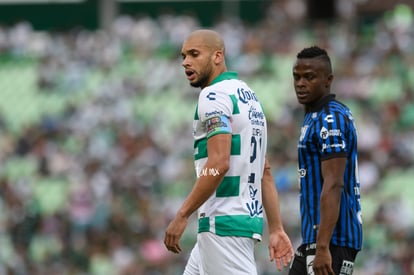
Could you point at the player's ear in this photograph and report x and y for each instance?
(218, 57)
(329, 80)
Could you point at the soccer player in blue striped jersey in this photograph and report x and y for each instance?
(330, 208)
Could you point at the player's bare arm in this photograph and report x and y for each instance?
(332, 172)
(280, 246)
(218, 148)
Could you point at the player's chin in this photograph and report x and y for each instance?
(195, 84)
(303, 100)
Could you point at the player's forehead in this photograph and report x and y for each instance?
(194, 44)
(309, 65)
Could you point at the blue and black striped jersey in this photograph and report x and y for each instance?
(329, 131)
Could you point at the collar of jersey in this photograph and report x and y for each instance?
(224, 76)
(322, 102)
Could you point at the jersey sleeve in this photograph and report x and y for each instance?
(332, 137)
(214, 111)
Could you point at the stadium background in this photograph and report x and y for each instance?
(96, 115)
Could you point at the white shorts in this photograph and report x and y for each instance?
(215, 255)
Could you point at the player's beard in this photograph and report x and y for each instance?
(204, 77)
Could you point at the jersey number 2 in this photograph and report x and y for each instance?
(253, 154)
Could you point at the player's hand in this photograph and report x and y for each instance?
(322, 263)
(173, 234)
(280, 249)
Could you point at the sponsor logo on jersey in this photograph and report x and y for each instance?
(336, 145)
(257, 132)
(325, 133)
(302, 173)
(211, 96)
(213, 113)
(246, 95)
(254, 207)
(255, 114)
(329, 119)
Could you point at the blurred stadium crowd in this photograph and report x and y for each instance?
(96, 145)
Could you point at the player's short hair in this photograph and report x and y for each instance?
(315, 52)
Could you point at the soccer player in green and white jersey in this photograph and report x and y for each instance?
(234, 185)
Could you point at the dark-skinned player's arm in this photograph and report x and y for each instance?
(333, 174)
(218, 149)
(280, 246)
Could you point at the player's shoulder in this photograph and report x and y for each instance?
(335, 107)
(220, 89)
(227, 84)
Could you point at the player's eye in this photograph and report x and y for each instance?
(309, 77)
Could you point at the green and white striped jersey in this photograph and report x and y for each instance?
(229, 106)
